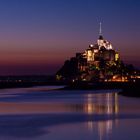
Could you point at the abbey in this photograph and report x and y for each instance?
(99, 62)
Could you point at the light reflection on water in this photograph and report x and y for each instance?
(37, 113)
(105, 105)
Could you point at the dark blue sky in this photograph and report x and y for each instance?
(36, 36)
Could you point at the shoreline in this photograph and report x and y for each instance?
(129, 89)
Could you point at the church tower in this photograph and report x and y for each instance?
(100, 41)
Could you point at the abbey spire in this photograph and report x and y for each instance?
(100, 32)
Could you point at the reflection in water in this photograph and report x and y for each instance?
(105, 129)
(102, 104)
(107, 104)
(37, 113)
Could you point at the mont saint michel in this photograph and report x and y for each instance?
(100, 62)
(69, 70)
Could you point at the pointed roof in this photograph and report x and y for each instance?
(100, 32)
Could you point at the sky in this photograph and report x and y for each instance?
(37, 36)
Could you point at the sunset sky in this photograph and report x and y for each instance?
(37, 36)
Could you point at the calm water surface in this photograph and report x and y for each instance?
(41, 113)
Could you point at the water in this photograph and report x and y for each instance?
(41, 113)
